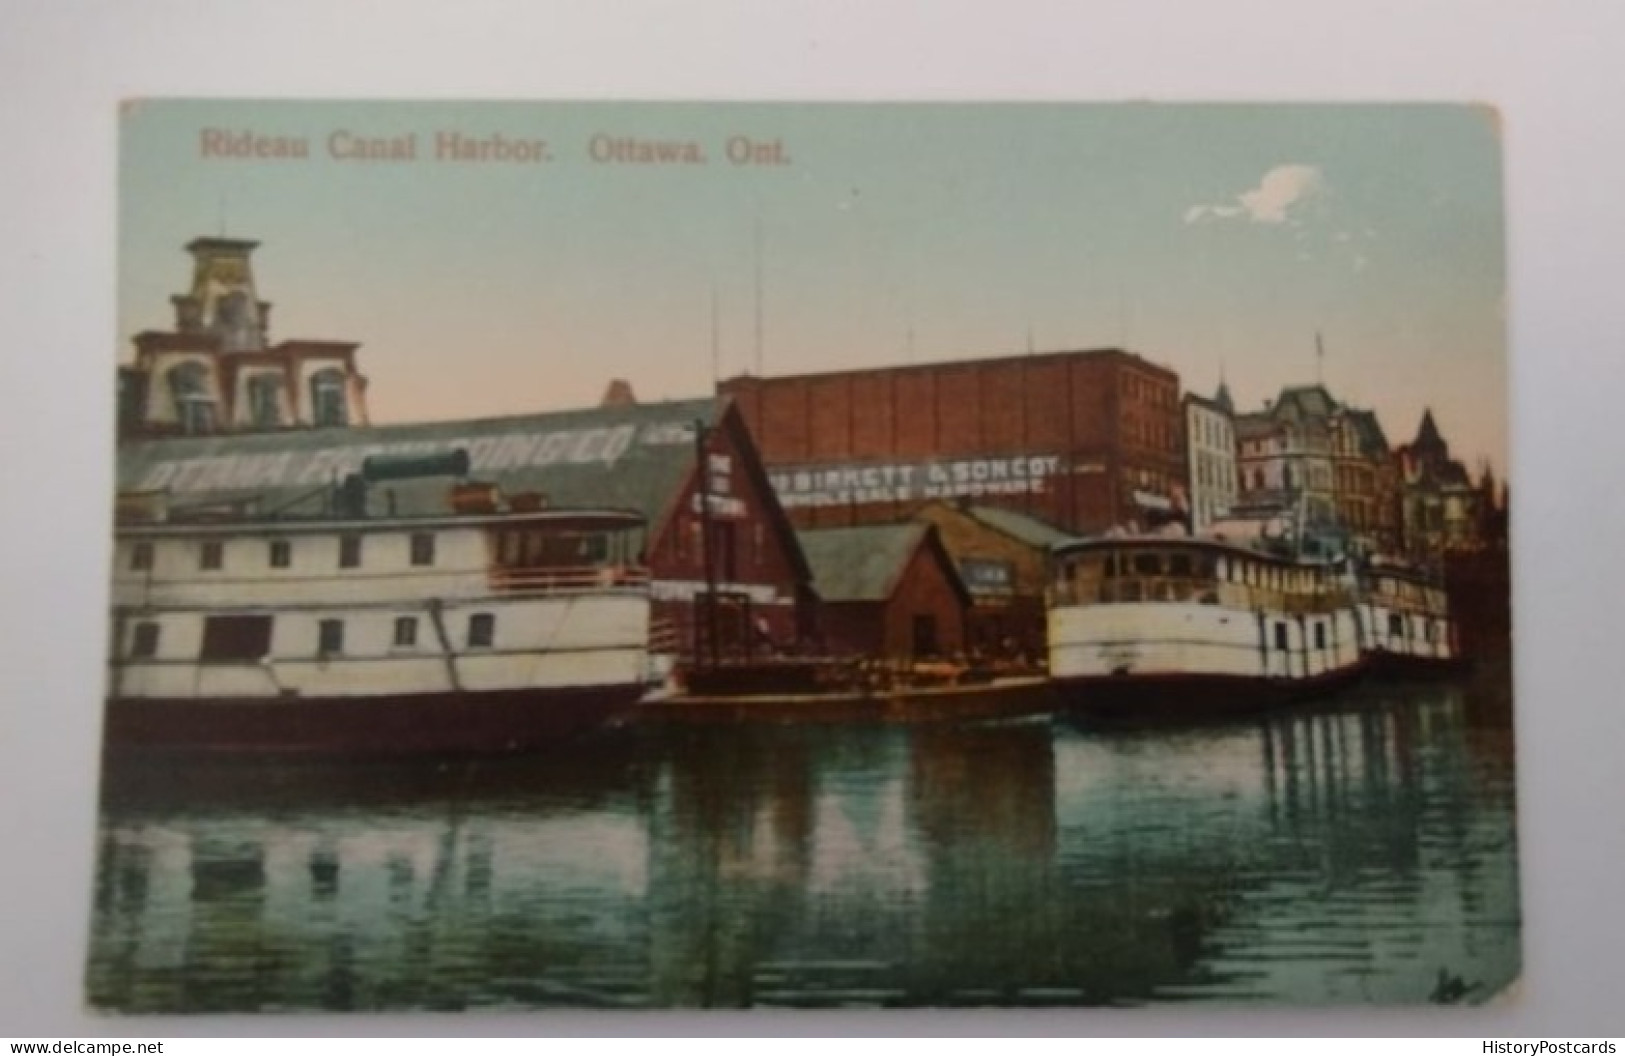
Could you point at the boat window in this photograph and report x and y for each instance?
(212, 556)
(422, 548)
(236, 638)
(406, 630)
(281, 553)
(349, 551)
(141, 557)
(510, 547)
(1110, 568)
(144, 640)
(1320, 635)
(1179, 565)
(481, 630)
(1396, 624)
(1147, 565)
(330, 637)
(1280, 634)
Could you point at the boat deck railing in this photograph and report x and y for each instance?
(1125, 589)
(568, 578)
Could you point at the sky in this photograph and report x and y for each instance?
(1218, 240)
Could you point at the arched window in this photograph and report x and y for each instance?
(194, 402)
(327, 403)
(265, 401)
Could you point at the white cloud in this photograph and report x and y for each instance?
(1281, 188)
(1200, 212)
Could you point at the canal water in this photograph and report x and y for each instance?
(1361, 850)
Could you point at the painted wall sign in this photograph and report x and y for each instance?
(861, 483)
(309, 467)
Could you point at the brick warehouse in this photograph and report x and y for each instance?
(1085, 440)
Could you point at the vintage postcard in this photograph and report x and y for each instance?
(625, 556)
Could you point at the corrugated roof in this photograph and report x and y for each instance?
(630, 457)
(861, 563)
(1020, 526)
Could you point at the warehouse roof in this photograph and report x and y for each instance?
(637, 457)
(630, 457)
(866, 563)
(1020, 526)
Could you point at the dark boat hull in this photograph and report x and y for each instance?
(1161, 698)
(1000, 699)
(1391, 665)
(422, 724)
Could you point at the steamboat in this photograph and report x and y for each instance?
(1406, 621)
(1146, 628)
(495, 626)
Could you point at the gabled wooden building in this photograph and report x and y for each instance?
(1003, 560)
(886, 591)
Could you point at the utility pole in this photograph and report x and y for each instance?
(703, 467)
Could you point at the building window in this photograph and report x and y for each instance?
(327, 403)
(213, 556)
(281, 553)
(141, 557)
(349, 551)
(194, 404)
(1320, 636)
(236, 638)
(144, 641)
(406, 630)
(265, 401)
(1280, 635)
(422, 548)
(481, 630)
(330, 637)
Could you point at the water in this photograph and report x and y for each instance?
(1359, 851)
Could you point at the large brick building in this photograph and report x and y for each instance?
(1085, 440)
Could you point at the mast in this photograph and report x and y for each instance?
(703, 468)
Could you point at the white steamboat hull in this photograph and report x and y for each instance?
(557, 664)
(1172, 659)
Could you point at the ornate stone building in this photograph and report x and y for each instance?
(217, 370)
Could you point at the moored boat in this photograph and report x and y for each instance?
(1406, 621)
(1145, 628)
(489, 628)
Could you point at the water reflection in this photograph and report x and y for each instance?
(1359, 851)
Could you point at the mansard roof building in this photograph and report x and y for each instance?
(1308, 452)
(217, 370)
